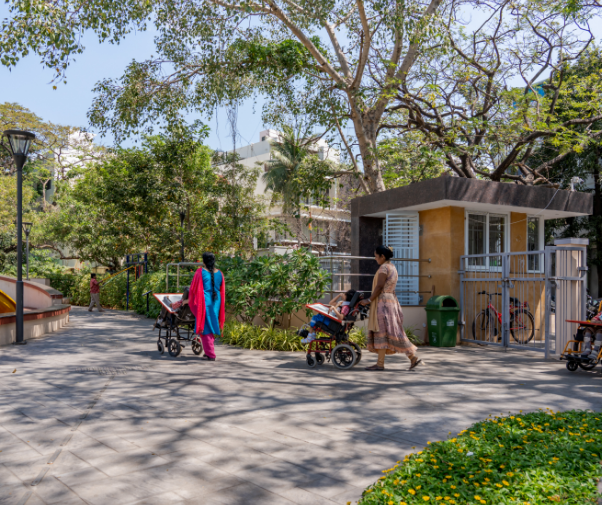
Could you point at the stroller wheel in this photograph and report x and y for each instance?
(358, 352)
(343, 357)
(311, 361)
(320, 358)
(197, 347)
(587, 366)
(174, 347)
(160, 346)
(571, 366)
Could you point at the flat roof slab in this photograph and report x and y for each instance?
(478, 195)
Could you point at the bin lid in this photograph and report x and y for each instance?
(442, 302)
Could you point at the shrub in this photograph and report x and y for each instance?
(541, 457)
(246, 335)
(271, 286)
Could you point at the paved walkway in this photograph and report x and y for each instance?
(122, 424)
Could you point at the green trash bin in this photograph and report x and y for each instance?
(442, 321)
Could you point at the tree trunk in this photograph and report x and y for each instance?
(366, 131)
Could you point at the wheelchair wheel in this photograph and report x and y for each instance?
(311, 361)
(320, 358)
(160, 346)
(571, 366)
(197, 347)
(587, 366)
(358, 352)
(174, 347)
(343, 357)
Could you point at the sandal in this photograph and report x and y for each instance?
(375, 368)
(415, 363)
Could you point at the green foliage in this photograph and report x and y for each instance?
(271, 286)
(535, 458)
(297, 175)
(406, 160)
(261, 338)
(41, 264)
(131, 201)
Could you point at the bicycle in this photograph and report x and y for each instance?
(489, 321)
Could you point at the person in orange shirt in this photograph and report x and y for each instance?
(94, 294)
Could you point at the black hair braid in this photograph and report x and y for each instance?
(209, 261)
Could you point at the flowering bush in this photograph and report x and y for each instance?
(526, 459)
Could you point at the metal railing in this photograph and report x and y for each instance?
(338, 276)
(178, 265)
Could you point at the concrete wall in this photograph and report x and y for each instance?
(35, 323)
(35, 296)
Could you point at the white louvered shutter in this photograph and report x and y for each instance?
(401, 235)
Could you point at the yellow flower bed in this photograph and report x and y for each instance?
(524, 459)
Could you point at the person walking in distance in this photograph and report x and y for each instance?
(94, 294)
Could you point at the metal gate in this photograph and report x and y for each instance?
(523, 299)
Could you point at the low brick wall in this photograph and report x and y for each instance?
(35, 323)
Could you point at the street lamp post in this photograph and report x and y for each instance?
(19, 142)
(27, 229)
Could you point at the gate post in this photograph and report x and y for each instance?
(571, 287)
(505, 300)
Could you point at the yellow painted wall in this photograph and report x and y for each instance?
(442, 240)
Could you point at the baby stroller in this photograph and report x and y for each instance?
(332, 341)
(176, 323)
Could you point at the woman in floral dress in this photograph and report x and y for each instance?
(385, 325)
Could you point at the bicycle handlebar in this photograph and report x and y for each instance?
(489, 294)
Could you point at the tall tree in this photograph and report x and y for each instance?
(361, 68)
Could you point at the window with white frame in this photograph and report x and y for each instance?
(485, 234)
(535, 239)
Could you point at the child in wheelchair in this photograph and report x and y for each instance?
(339, 308)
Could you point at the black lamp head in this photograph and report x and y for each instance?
(19, 141)
(27, 227)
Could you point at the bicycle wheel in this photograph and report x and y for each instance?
(485, 327)
(522, 326)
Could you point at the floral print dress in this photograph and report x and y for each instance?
(390, 334)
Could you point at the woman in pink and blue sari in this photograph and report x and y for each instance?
(207, 300)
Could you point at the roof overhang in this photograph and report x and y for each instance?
(472, 194)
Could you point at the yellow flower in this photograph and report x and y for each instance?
(390, 502)
(505, 482)
(510, 474)
(412, 492)
(447, 498)
(444, 480)
(483, 501)
(418, 487)
(502, 466)
(457, 495)
(418, 475)
(499, 485)
(439, 498)
(448, 477)
(426, 498)
(453, 487)
(477, 497)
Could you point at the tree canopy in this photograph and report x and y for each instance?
(131, 202)
(464, 75)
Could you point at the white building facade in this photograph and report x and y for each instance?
(329, 230)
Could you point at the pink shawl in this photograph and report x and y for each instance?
(196, 301)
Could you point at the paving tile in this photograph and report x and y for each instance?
(162, 499)
(126, 462)
(105, 492)
(249, 494)
(52, 491)
(303, 497)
